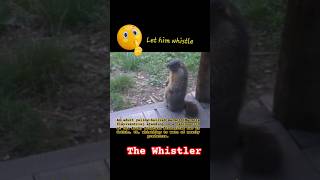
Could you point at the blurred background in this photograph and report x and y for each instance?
(54, 74)
(265, 21)
(54, 71)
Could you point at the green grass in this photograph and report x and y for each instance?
(117, 101)
(118, 86)
(126, 61)
(191, 61)
(263, 14)
(34, 68)
(22, 128)
(4, 13)
(153, 63)
(121, 83)
(59, 14)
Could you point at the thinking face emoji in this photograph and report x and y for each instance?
(129, 38)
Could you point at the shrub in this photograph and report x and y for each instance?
(121, 83)
(57, 14)
(117, 101)
(34, 67)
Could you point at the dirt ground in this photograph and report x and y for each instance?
(143, 93)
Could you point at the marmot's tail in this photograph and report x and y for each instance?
(261, 152)
(191, 108)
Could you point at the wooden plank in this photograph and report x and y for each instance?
(205, 106)
(113, 119)
(255, 114)
(52, 160)
(294, 164)
(135, 110)
(134, 116)
(165, 113)
(152, 114)
(114, 116)
(159, 110)
(25, 178)
(108, 153)
(225, 170)
(138, 109)
(313, 155)
(193, 94)
(92, 170)
(204, 116)
(305, 139)
(267, 101)
(189, 97)
(204, 111)
(108, 169)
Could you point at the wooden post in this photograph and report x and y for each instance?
(297, 91)
(203, 81)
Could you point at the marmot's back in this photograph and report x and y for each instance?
(176, 89)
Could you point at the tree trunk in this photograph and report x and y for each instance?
(297, 91)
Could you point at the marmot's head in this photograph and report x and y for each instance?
(174, 65)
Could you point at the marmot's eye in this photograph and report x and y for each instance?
(135, 32)
(125, 35)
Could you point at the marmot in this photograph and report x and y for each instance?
(229, 58)
(176, 89)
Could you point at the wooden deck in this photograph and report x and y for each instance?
(85, 162)
(92, 161)
(159, 110)
(297, 163)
